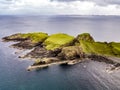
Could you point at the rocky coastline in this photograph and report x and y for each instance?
(47, 50)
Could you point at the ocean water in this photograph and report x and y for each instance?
(89, 75)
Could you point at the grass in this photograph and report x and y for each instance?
(115, 48)
(58, 40)
(96, 48)
(101, 48)
(86, 42)
(35, 37)
(89, 46)
(85, 37)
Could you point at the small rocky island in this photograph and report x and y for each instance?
(61, 48)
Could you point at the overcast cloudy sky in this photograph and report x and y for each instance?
(61, 7)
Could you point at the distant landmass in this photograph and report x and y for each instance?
(64, 49)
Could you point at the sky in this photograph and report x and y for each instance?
(60, 7)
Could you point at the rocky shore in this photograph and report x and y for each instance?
(64, 62)
(47, 50)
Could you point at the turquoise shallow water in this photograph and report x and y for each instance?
(84, 76)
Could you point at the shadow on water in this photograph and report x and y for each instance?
(42, 69)
(62, 66)
(65, 66)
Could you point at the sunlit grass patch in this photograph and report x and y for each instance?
(35, 37)
(57, 40)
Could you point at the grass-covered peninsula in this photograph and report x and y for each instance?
(62, 48)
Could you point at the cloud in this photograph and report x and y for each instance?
(76, 7)
(99, 2)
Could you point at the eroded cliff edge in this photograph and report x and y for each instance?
(62, 48)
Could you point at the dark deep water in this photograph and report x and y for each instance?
(84, 76)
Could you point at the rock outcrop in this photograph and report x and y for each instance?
(71, 52)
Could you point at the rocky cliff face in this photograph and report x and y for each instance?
(71, 52)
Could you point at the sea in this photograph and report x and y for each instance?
(88, 75)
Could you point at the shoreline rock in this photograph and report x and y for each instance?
(64, 62)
